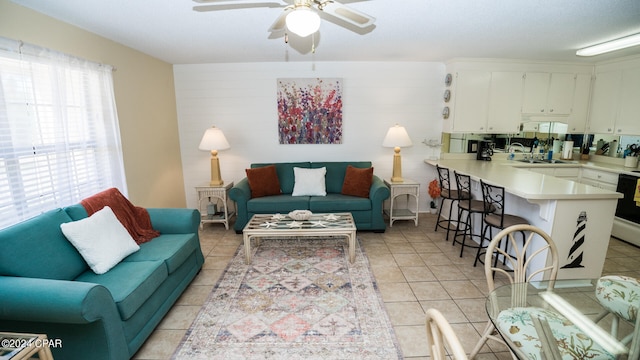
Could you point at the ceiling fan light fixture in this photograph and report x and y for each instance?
(617, 44)
(302, 21)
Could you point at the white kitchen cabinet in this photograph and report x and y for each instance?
(505, 96)
(628, 119)
(548, 93)
(577, 120)
(471, 101)
(602, 179)
(604, 102)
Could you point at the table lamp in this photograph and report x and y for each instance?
(396, 138)
(214, 140)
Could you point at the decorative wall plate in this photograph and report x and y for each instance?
(448, 79)
(447, 95)
(445, 112)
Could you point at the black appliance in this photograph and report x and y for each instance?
(627, 208)
(485, 150)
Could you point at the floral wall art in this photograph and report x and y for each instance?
(310, 111)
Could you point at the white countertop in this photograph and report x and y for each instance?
(524, 183)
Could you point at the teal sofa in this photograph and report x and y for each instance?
(367, 212)
(47, 287)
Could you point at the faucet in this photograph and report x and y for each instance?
(524, 154)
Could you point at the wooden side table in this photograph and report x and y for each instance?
(216, 195)
(409, 188)
(18, 346)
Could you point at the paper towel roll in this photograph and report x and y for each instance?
(567, 150)
(557, 144)
(613, 148)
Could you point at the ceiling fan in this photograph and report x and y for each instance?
(302, 17)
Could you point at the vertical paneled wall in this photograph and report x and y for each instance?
(240, 99)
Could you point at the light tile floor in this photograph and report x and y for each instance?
(415, 268)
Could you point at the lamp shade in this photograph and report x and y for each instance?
(397, 136)
(303, 21)
(214, 139)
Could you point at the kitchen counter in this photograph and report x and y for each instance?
(578, 217)
(526, 184)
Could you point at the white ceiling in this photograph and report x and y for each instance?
(405, 30)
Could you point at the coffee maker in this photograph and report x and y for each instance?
(485, 150)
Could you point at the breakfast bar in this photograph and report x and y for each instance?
(578, 217)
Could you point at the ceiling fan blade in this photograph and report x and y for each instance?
(219, 7)
(279, 24)
(346, 13)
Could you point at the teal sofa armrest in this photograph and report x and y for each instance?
(55, 301)
(82, 316)
(378, 193)
(175, 220)
(241, 194)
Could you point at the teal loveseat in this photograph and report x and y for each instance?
(47, 287)
(367, 212)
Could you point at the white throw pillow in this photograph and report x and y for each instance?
(309, 182)
(101, 240)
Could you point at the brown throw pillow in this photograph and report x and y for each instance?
(357, 182)
(263, 181)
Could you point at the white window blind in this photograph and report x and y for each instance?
(59, 135)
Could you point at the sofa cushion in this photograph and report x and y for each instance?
(173, 249)
(285, 173)
(336, 171)
(309, 182)
(357, 182)
(263, 181)
(130, 283)
(338, 203)
(37, 248)
(277, 204)
(101, 239)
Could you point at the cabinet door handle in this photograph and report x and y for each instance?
(551, 110)
(541, 110)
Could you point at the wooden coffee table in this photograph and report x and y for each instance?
(319, 225)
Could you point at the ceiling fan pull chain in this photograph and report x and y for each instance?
(313, 43)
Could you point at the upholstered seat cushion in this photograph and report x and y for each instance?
(173, 249)
(130, 283)
(509, 220)
(454, 194)
(277, 204)
(338, 203)
(477, 206)
(620, 295)
(516, 323)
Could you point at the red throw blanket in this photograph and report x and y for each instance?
(135, 219)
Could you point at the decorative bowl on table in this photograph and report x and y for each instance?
(300, 215)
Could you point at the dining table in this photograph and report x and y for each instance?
(574, 300)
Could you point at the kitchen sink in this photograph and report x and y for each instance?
(546, 161)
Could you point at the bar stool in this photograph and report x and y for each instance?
(447, 193)
(493, 198)
(467, 207)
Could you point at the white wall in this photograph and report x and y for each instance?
(240, 99)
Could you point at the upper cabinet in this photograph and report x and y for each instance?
(548, 93)
(485, 102)
(615, 105)
(497, 97)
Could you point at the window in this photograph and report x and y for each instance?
(59, 135)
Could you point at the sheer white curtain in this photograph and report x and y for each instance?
(59, 135)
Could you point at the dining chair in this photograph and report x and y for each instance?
(440, 336)
(447, 192)
(620, 296)
(495, 217)
(517, 323)
(467, 207)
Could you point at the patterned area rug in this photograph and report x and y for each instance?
(299, 299)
